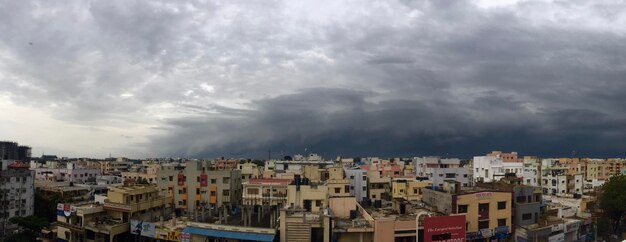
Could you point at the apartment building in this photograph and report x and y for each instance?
(197, 186)
(505, 157)
(115, 166)
(68, 172)
(357, 178)
(17, 194)
(437, 170)
(532, 171)
(378, 187)
(338, 185)
(555, 179)
(493, 168)
(408, 188)
(111, 221)
(488, 212)
(248, 171)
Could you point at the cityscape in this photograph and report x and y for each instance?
(312, 120)
(497, 196)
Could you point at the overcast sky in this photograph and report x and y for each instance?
(353, 78)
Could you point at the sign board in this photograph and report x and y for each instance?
(185, 237)
(142, 228)
(483, 195)
(65, 209)
(168, 235)
(444, 228)
(557, 227)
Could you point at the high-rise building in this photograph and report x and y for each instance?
(17, 196)
(23, 153)
(8, 150)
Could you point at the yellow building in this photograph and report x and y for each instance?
(338, 185)
(311, 197)
(408, 188)
(111, 221)
(487, 212)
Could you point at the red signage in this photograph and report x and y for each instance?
(203, 180)
(181, 179)
(444, 228)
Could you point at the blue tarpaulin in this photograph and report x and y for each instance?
(230, 234)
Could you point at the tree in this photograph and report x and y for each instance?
(613, 199)
(32, 223)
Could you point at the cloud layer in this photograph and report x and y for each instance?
(236, 78)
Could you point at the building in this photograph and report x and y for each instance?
(378, 188)
(70, 172)
(248, 171)
(197, 186)
(349, 220)
(437, 170)
(492, 168)
(357, 178)
(8, 150)
(115, 166)
(488, 212)
(338, 185)
(505, 157)
(532, 171)
(555, 179)
(408, 188)
(17, 196)
(111, 221)
(147, 173)
(224, 164)
(306, 218)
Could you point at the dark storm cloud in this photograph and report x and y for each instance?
(355, 78)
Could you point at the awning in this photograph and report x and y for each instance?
(230, 234)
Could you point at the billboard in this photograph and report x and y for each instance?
(168, 235)
(142, 228)
(444, 229)
(65, 209)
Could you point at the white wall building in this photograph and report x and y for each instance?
(492, 168)
(71, 173)
(17, 193)
(438, 170)
(358, 182)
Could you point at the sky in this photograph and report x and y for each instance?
(202, 79)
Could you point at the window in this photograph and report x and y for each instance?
(364, 178)
(212, 193)
(318, 203)
(253, 191)
(415, 190)
(351, 177)
(364, 188)
(347, 188)
(501, 222)
(501, 205)
(462, 208)
(171, 178)
(213, 181)
(483, 224)
(483, 207)
(337, 190)
(226, 193)
(197, 191)
(464, 175)
(527, 216)
(198, 179)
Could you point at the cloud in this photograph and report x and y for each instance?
(340, 77)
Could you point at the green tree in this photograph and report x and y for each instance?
(613, 199)
(32, 223)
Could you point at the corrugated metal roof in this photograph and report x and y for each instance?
(230, 234)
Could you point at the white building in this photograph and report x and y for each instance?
(438, 170)
(556, 181)
(531, 175)
(17, 193)
(492, 168)
(358, 182)
(69, 173)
